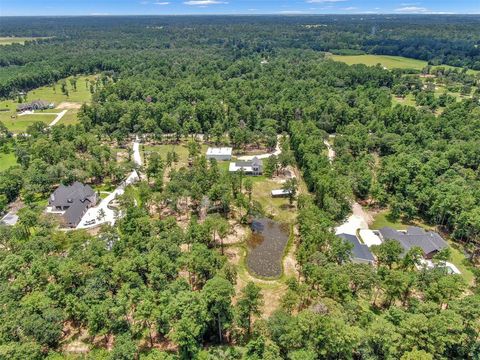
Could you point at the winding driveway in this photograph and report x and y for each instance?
(109, 215)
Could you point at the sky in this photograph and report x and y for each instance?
(180, 7)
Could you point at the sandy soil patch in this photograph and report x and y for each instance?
(67, 105)
(237, 234)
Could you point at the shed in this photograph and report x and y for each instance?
(280, 193)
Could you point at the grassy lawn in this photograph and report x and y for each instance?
(390, 62)
(407, 100)
(21, 123)
(458, 259)
(278, 207)
(54, 93)
(7, 160)
(70, 118)
(17, 40)
(382, 219)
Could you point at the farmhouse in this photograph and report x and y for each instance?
(360, 253)
(219, 154)
(430, 242)
(35, 105)
(251, 167)
(73, 200)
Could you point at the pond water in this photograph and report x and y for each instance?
(266, 247)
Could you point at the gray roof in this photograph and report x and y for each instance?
(66, 195)
(428, 241)
(360, 251)
(74, 213)
(255, 161)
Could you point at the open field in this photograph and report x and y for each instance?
(21, 123)
(390, 62)
(52, 93)
(17, 40)
(7, 160)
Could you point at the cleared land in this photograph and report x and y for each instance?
(17, 40)
(21, 123)
(181, 149)
(390, 62)
(52, 93)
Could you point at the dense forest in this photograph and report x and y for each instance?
(155, 287)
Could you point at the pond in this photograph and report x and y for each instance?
(266, 247)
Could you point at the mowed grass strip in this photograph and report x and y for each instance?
(390, 62)
(20, 123)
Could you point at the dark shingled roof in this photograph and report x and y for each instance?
(74, 213)
(66, 195)
(360, 251)
(428, 241)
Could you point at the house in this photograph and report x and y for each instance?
(250, 167)
(35, 105)
(73, 200)
(219, 154)
(361, 254)
(430, 242)
(279, 193)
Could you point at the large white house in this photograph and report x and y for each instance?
(219, 154)
(251, 167)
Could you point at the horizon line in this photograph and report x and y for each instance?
(250, 14)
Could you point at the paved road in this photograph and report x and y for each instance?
(136, 152)
(58, 118)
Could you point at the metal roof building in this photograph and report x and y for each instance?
(220, 153)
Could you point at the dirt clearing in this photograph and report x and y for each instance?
(66, 105)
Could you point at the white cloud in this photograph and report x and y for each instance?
(412, 9)
(204, 2)
(161, 3)
(350, 8)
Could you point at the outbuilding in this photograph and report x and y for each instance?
(219, 153)
(280, 193)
